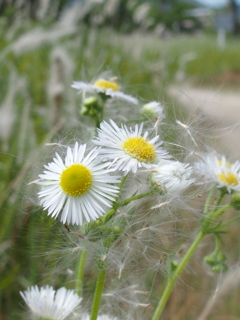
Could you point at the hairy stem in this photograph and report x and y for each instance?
(139, 196)
(80, 272)
(207, 203)
(98, 294)
(222, 194)
(173, 278)
(123, 180)
(207, 219)
(219, 212)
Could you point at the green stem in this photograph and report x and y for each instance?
(207, 217)
(97, 125)
(173, 278)
(229, 222)
(217, 243)
(208, 201)
(124, 178)
(98, 294)
(205, 223)
(139, 196)
(222, 194)
(219, 212)
(108, 215)
(115, 205)
(80, 272)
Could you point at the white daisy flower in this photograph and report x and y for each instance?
(99, 317)
(153, 109)
(219, 171)
(80, 188)
(173, 177)
(108, 87)
(127, 148)
(51, 304)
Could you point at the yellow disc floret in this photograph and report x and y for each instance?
(76, 180)
(140, 149)
(104, 84)
(229, 178)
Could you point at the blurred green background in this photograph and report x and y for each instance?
(44, 46)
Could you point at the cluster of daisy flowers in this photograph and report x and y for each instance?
(85, 184)
(82, 187)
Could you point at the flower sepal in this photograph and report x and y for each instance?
(103, 96)
(224, 190)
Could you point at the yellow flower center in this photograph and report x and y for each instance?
(228, 164)
(140, 149)
(76, 180)
(228, 178)
(104, 84)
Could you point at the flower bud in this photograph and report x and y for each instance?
(84, 111)
(216, 261)
(221, 257)
(92, 112)
(211, 259)
(117, 230)
(220, 267)
(235, 201)
(90, 102)
(174, 265)
(153, 109)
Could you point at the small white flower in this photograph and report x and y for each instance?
(108, 87)
(99, 317)
(80, 188)
(173, 177)
(127, 148)
(219, 171)
(153, 109)
(49, 303)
